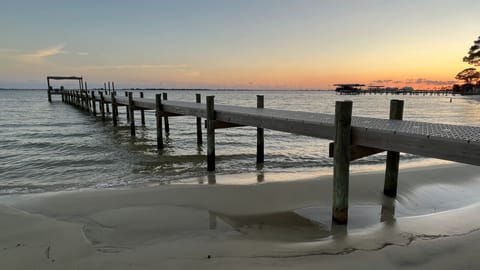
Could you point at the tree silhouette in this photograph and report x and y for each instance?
(473, 57)
(468, 75)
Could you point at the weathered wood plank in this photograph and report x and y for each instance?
(217, 124)
(427, 146)
(356, 151)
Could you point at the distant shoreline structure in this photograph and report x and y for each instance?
(356, 88)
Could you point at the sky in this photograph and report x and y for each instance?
(242, 44)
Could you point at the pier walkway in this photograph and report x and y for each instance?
(442, 141)
(353, 137)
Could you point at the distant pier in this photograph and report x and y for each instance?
(353, 137)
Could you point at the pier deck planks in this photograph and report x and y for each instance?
(443, 141)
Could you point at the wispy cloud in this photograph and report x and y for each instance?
(40, 55)
(59, 49)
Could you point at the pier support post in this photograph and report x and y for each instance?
(83, 100)
(116, 106)
(114, 109)
(94, 106)
(142, 112)
(131, 109)
(158, 116)
(260, 133)
(341, 166)
(87, 98)
(109, 92)
(127, 109)
(48, 90)
(102, 106)
(393, 158)
(198, 99)
(210, 134)
(167, 125)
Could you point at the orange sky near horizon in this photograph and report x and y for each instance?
(248, 45)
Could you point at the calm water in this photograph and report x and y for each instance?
(53, 146)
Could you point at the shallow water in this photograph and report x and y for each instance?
(54, 146)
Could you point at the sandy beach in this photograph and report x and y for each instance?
(432, 224)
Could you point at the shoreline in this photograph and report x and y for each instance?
(247, 226)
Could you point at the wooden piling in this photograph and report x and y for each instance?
(198, 99)
(114, 109)
(127, 110)
(106, 93)
(131, 109)
(158, 116)
(167, 125)
(94, 106)
(210, 134)
(102, 106)
(142, 112)
(87, 99)
(82, 100)
(260, 134)
(48, 90)
(341, 166)
(393, 158)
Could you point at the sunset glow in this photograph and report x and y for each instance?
(264, 44)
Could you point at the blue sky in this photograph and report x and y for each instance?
(239, 44)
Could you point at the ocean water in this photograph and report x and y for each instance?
(54, 146)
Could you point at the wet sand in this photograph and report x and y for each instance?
(432, 224)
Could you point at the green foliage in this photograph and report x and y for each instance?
(473, 57)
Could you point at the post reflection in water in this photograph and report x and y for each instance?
(388, 210)
(338, 231)
(260, 173)
(212, 178)
(213, 220)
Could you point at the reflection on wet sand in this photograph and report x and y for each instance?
(283, 226)
(388, 210)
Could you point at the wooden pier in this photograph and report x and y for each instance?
(353, 137)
